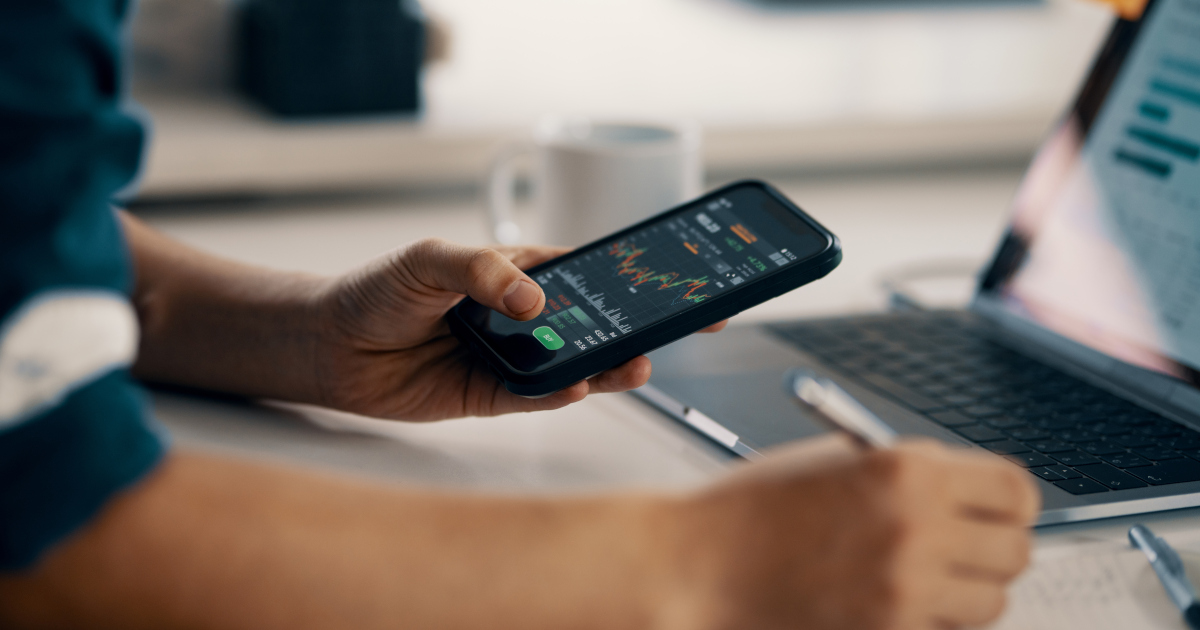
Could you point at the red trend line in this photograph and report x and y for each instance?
(642, 275)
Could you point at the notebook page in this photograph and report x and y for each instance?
(1096, 586)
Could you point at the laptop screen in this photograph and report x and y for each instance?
(1104, 244)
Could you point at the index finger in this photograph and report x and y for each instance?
(485, 274)
(526, 256)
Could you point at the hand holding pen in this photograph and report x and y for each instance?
(905, 535)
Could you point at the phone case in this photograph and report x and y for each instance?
(546, 381)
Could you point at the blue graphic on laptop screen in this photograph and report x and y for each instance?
(1112, 227)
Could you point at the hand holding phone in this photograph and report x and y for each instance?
(651, 284)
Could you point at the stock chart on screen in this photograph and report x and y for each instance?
(641, 278)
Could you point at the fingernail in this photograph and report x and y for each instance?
(521, 296)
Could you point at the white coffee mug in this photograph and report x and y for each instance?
(593, 178)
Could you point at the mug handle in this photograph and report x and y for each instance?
(500, 193)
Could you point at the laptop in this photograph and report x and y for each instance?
(1079, 356)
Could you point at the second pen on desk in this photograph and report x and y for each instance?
(839, 410)
(1169, 567)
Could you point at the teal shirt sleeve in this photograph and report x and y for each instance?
(74, 428)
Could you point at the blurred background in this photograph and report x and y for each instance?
(312, 134)
(778, 85)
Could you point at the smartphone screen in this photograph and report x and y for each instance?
(663, 268)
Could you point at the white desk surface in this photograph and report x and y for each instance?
(605, 442)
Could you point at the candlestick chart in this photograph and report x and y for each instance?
(638, 272)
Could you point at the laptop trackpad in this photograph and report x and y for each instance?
(751, 404)
(736, 378)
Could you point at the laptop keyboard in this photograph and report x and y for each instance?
(1072, 434)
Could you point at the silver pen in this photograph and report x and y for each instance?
(839, 410)
(1169, 567)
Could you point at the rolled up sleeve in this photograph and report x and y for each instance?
(74, 429)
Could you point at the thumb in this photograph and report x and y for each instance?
(486, 275)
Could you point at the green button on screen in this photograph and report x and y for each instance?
(548, 337)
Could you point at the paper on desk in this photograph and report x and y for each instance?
(1095, 586)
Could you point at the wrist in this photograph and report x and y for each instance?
(244, 330)
(332, 345)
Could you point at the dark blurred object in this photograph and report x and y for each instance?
(329, 57)
(181, 45)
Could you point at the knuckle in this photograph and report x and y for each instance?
(483, 262)
(899, 469)
(1025, 496)
(419, 254)
(890, 475)
(900, 531)
(427, 245)
(887, 466)
(896, 596)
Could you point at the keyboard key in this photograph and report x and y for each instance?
(951, 418)
(979, 433)
(981, 411)
(1008, 447)
(1156, 454)
(1182, 443)
(1003, 422)
(1081, 486)
(1174, 471)
(1121, 419)
(1055, 423)
(1100, 448)
(902, 393)
(1125, 460)
(1026, 434)
(1075, 458)
(985, 388)
(1047, 474)
(1064, 472)
(1160, 429)
(1077, 436)
(1050, 446)
(1132, 440)
(1006, 400)
(935, 389)
(965, 380)
(1108, 428)
(1029, 460)
(1111, 477)
(959, 399)
(1140, 417)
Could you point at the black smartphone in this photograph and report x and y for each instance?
(650, 284)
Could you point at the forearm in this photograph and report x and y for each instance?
(215, 324)
(223, 544)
